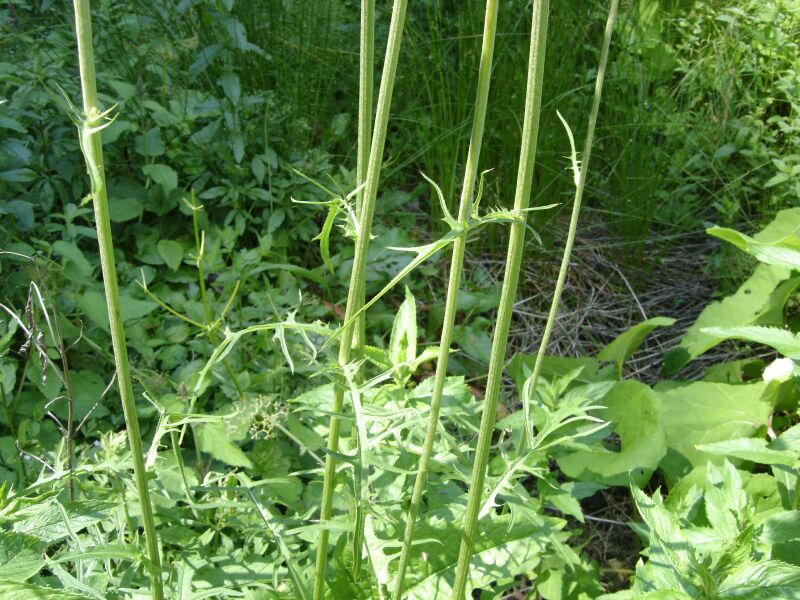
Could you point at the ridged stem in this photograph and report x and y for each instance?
(365, 93)
(357, 275)
(516, 243)
(93, 148)
(451, 301)
(576, 209)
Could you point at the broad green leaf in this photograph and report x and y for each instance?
(766, 580)
(20, 556)
(781, 527)
(623, 347)
(635, 414)
(150, 143)
(502, 553)
(231, 86)
(782, 340)
(93, 305)
(777, 244)
(212, 438)
(47, 521)
(736, 371)
(22, 175)
(124, 209)
(163, 175)
(752, 449)
(704, 412)
(759, 301)
(789, 440)
(171, 252)
(72, 253)
(13, 590)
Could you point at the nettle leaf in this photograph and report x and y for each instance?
(635, 415)
(672, 563)
(767, 580)
(150, 143)
(704, 412)
(781, 527)
(163, 175)
(726, 502)
(20, 556)
(171, 252)
(623, 347)
(51, 522)
(212, 438)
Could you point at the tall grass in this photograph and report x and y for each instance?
(451, 302)
(358, 277)
(90, 123)
(533, 102)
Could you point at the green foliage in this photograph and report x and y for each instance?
(226, 113)
(721, 558)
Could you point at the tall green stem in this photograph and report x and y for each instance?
(456, 267)
(516, 243)
(576, 209)
(365, 88)
(92, 146)
(357, 277)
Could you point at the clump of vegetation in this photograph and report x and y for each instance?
(294, 424)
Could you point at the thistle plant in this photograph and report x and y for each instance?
(456, 267)
(90, 121)
(580, 170)
(516, 243)
(358, 277)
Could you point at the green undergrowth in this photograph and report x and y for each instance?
(230, 164)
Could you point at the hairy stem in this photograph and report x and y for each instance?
(451, 302)
(516, 243)
(573, 223)
(357, 276)
(94, 158)
(365, 93)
